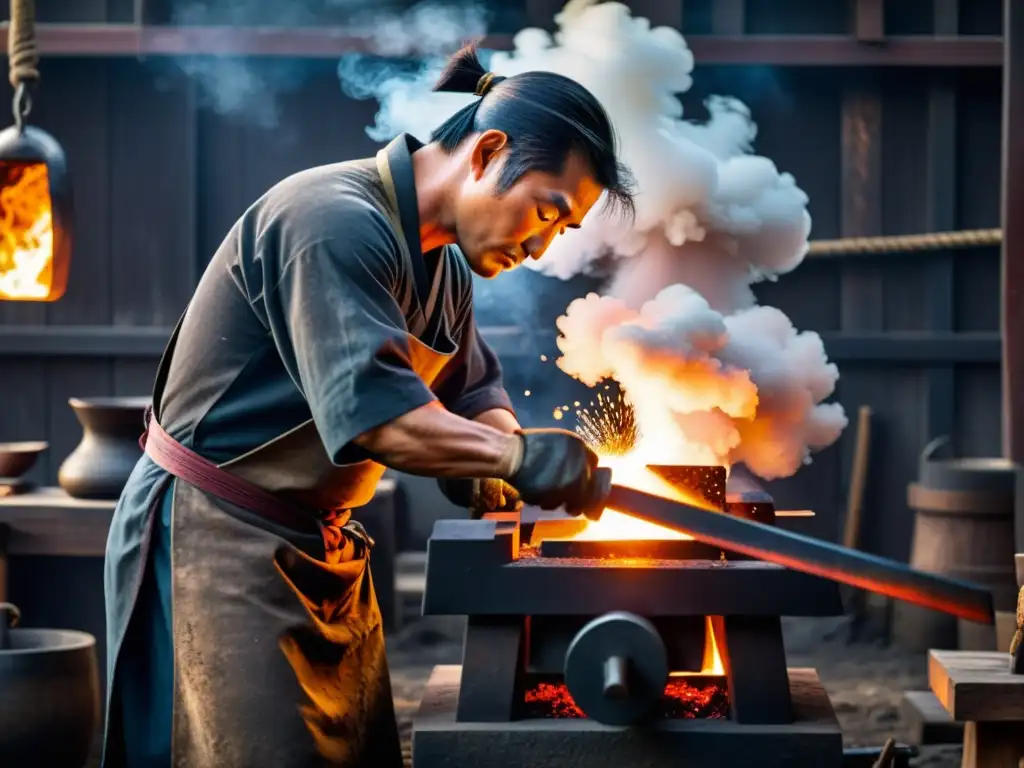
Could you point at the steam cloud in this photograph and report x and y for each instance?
(237, 87)
(714, 377)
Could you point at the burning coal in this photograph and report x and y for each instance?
(713, 378)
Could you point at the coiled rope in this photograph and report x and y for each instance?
(22, 56)
(933, 241)
(22, 51)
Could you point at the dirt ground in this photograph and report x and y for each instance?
(865, 681)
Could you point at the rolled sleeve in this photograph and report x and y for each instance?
(343, 336)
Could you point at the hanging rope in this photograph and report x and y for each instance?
(22, 52)
(934, 241)
(22, 56)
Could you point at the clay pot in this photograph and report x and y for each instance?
(49, 698)
(101, 464)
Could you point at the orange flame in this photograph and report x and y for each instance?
(26, 233)
(712, 664)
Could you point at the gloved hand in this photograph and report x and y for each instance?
(557, 470)
(480, 495)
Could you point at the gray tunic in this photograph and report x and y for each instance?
(305, 312)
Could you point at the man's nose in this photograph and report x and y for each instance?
(535, 246)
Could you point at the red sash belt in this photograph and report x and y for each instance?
(184, 463)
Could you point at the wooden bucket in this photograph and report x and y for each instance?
(963, 528)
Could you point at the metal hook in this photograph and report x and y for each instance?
(22, 105)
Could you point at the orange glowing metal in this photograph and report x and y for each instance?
(629, 471)
(26, 233)
(850, 567)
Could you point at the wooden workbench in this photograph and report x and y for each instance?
(977, 688)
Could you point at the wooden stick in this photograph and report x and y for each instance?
(887, 756)
(858, 479)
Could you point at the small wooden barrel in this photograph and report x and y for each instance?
(963, 528)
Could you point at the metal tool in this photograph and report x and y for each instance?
(616, 669)
(803, 553)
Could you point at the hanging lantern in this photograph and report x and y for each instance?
(35, 190)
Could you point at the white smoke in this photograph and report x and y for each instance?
(714, 377)
(708, 388)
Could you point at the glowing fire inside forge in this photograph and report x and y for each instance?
(26, 232)
(616, 526)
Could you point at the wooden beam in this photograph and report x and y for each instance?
(116, 40)
(1013, 234)
(894, 347)
(940, 204)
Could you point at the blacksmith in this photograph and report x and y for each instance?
(333, 336)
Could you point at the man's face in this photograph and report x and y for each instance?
(497, 232)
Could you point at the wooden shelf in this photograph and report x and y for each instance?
(116, 40)
(46, 521)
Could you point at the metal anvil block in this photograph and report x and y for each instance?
(474, 569)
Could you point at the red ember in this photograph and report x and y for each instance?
(692, 697)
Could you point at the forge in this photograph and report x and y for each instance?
(604, 652)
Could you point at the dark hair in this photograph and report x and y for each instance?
(545, 116)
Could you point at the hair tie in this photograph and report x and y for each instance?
(486, 82)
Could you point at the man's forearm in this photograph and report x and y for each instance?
(499, 418)
(431, 440)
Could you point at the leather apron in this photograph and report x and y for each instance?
(278, 643)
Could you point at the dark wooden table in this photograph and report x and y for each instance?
(46, 521)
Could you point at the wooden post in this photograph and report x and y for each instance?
(541, 13)
(728, 17)
(941, 217)
(869, 21)
(661, 13)
(861, 288)
(1013, 233)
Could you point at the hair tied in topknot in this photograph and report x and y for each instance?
(485, 83)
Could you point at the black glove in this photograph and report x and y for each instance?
(480, 495)
(557, 470)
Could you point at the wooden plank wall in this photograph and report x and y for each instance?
(160, 175)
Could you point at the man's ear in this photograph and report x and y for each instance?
(487, 146)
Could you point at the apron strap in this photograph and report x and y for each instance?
(394, 161)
